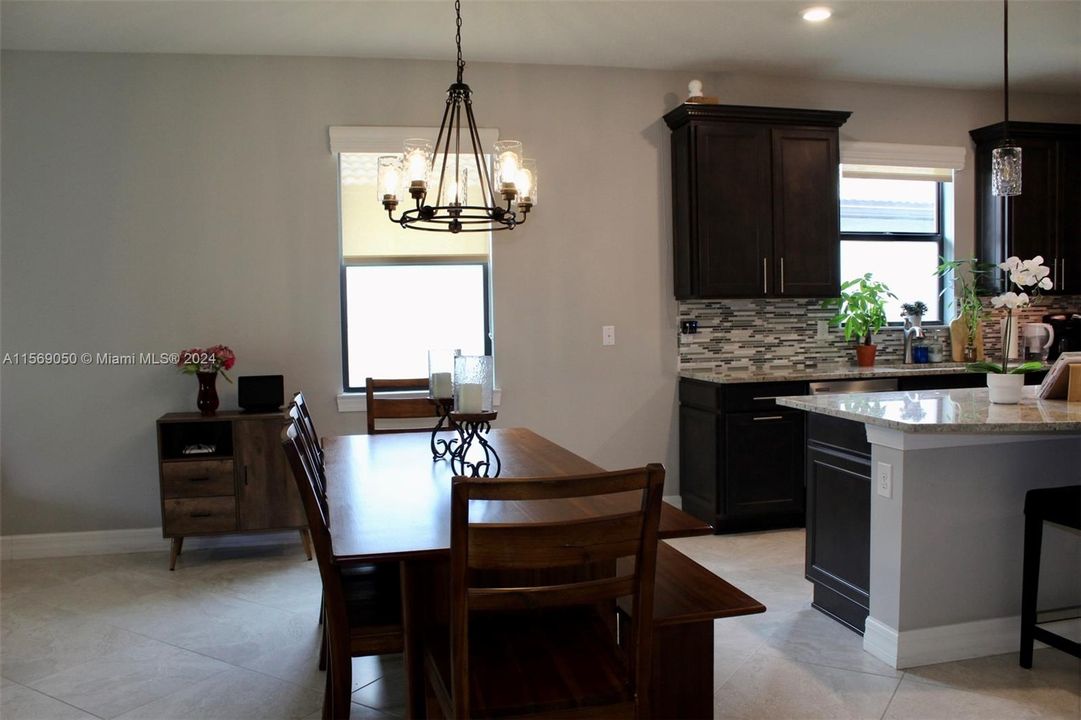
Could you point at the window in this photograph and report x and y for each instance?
(404, 292)
(892, 226)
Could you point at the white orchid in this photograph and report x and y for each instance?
(1028, 273)
(1010, 300)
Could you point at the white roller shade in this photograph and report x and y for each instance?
(901, 162)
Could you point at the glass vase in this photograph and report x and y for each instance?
(207, 400)
(473, 383)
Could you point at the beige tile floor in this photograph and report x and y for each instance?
(232, 634)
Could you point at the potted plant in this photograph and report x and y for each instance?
(1004, 383)
(966, 334)
(914, 311)
(861, 310)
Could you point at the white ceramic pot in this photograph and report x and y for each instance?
(1005, 389)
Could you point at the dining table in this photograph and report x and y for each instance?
(389, 501)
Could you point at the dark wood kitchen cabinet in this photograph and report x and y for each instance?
(741, 455)
(1045, 218)
(755, 201)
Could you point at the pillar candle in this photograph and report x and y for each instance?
(470, 398)
(441, 385)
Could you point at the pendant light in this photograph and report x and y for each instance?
(437, 177)
(1006, 158)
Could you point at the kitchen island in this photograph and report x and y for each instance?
(949, 472)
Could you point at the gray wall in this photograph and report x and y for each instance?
(152, 202)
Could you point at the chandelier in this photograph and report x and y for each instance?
(1006, 158)
(451, 166)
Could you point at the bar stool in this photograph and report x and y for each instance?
(1060, 505)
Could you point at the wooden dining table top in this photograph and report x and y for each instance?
(389, 500)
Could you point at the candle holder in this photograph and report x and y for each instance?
(472, 427)
(440, 447)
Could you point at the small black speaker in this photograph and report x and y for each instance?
(260, 393)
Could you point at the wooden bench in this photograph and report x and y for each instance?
(687, 598)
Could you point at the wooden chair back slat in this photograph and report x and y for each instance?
(310, 446)
(550, 596)
(382, 407)
(555, 487)
(539, 545)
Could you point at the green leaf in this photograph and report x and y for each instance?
(984, 366)
(1026, 368)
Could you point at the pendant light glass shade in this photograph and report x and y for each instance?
(527, 183)
(1006, 171)
(389, 178)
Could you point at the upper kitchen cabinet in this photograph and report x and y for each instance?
(1044, 219)
(755, 201)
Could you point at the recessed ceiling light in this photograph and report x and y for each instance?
(816, 14)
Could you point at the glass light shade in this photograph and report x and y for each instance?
(1006, 171)
(527, 182)
(417, 162)
(441, 372)
(389, 178)
(473, 382)
(455, 191)
(508, 160)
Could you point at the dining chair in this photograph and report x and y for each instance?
(383, 404)
(308, 426)
(363, 611)
(542, 644)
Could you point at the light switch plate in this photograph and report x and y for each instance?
(608, 335)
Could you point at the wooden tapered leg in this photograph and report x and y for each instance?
(328, 700)
(174, 551)
(341, 684)
(306, 540)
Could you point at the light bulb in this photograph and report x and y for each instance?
(418, 155)
(817, 14)
(508, 154)
(508, 167)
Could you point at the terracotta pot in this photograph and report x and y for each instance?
(207, 401)
(865, 355)
(1005, 389)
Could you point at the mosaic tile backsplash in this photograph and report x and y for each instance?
(782, 333)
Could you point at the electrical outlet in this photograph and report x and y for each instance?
(608, 335)
(884, 478)
(823, 329)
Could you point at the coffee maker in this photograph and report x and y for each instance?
(1067, 328)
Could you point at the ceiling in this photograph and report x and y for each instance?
(947, 43)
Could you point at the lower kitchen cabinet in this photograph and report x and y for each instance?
(838, 557)
(741, 455)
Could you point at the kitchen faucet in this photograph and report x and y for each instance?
(911, 331)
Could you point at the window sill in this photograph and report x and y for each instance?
(358, 402)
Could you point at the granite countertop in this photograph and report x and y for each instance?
(822, 372)
(945, 411)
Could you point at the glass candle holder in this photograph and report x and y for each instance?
(441, 372)
(473, 383)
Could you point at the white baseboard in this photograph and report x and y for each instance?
(945, 643)
(676, 500)
(109, 542)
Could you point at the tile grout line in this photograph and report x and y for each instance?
(893, 695)
(62, 702)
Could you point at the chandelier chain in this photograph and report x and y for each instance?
(458, 37)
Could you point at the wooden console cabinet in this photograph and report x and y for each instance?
(244, 485)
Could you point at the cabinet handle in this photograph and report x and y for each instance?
(200, 514)
(782, 274)
(766, 397)
(198, 479)
(245, 475)
(1054, 275)
(764, 271)
(1062, 274)
(768, 417)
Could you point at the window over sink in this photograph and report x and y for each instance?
(893, 225)
(403, 292)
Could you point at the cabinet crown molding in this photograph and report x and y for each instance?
(687, 112)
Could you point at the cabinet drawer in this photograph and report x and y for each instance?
(191, 516)
(756, 397)
(704, 395)
(205, 478)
